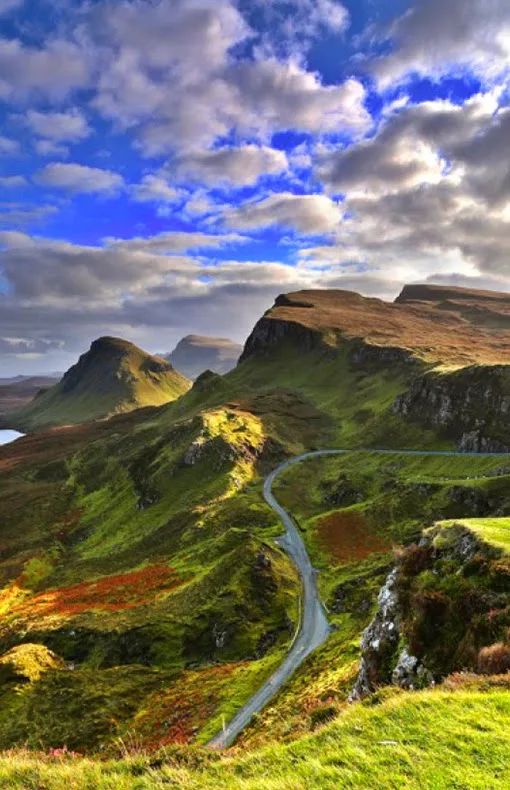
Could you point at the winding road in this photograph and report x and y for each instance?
(313, 629)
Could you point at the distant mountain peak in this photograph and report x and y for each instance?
(195, 354)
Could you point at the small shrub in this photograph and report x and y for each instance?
(494, 660)
(322, 715)
(415, 560)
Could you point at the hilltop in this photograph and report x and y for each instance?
(458, 327)
(195, 354)
(113, 376)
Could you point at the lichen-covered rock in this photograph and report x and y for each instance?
(410, 673)
(379, 641)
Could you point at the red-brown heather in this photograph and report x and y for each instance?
(347, 537)
(107, 594)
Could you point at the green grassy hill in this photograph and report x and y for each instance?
(113, 376)
(456, 736)
(143, 598)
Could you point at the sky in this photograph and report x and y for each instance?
(171, 166)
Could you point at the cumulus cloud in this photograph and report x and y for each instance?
(170, 76)
(435, 37)
(8, 147)
(12, 182)
(446, 212)
(16, 215)
(240, 166)
(70, 126)
(80, 179)
(203, 86)
(286, 96)
(311, 214)
(50, 149)
(52, 71)
(154, 189)
(18, 346)
(291, 26)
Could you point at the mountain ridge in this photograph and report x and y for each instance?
(433, 332)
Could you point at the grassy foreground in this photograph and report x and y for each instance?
(431, 740)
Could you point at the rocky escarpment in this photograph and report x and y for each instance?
(271, 332)
(367, 355)
(444, 603)
(471, 406)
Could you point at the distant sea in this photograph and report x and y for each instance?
(9, 436)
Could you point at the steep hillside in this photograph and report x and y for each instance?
(195, 354)
(113, 376)
(18, 394)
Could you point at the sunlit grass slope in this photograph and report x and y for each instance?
(433, 740)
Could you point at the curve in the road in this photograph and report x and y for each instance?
(314, 627)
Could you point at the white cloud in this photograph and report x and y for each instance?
(169, 75)
(80, 179)
(52, 71)
(291, 26)
(285, 96)
(311, 214)
(436, 37)
(15, 215)
(8, 147)
(12, 182)
(154, 189)
(70, 126)
(200, 203)
(428, 194)
(241, 166)
(413, 147)
(50, 149)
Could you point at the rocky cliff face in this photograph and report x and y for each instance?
(471, 406)
(270, 332)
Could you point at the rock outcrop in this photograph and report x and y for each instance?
(471, 405)
(380, 641)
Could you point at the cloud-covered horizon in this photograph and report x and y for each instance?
(170, 167)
